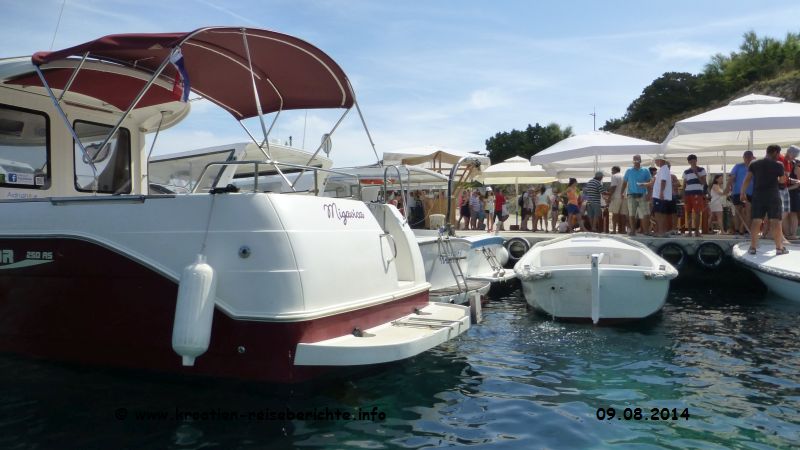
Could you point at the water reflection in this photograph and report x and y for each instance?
(519, 380)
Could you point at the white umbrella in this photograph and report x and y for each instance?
(591, 152)
(515, 170)
(719, 136)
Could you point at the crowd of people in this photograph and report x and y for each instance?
(655, 201)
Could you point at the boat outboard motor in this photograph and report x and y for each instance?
(194, 311)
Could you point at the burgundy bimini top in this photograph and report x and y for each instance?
(215, 59)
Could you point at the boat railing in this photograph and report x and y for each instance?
(403, 192)
(470, 160)
(257, 164)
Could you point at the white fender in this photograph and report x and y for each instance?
(194, 311)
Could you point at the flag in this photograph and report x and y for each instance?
(180, 88)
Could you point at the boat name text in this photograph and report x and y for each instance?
(334, 212)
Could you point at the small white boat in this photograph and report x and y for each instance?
(781, 273)
(591, 276)
(460, 267)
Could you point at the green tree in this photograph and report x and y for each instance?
(757, 59)
(668, 94)
(524, 143)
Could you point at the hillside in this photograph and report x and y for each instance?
(786, 85)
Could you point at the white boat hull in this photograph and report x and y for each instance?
(780, 273)
(630, 281)
(625, 294)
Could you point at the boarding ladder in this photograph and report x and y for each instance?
(448, 256)
(493, 262)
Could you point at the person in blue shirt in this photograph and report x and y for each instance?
(735, 179)
(634, 188)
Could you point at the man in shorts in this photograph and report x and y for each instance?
(736, 179)
(793, 174)
(592, 192)
(663, 205)
(766, 175)
(634, 190)
(618, 206)
(694, 195)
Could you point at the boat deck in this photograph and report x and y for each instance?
(472, 286)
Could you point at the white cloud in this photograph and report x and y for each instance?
(488, 98)
(684, 50)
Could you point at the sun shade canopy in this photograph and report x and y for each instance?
(720, 135)
(289, 73)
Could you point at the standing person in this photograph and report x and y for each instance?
(634, 191)
(490, 210)
(662, 195)
(528, 202)
(676, 197)
(482, 212)
(499, 209)
(651, 226)
(592, 192)
(715, 205)
(793, 173)
(542, 209)
(766, 174)
(554, 208)
(463, 207)
(618, 207)
(573, 210)
(783, 189)
(694, 188)
(475, 208)
(735, 180)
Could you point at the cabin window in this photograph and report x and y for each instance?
(24, 148)
(112, 162)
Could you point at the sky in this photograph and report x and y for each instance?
(443, 73)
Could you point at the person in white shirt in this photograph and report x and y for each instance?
(618, 207)
(663, 205)
(543, 201)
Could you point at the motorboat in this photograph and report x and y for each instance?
(230, 276)
(589, 276)
(780, 273)
(458, 267)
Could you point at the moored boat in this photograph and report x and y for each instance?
(780, 273)
(99, 264)
(588, 276)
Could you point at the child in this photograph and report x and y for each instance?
(562, 226)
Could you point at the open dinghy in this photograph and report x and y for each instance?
(781, 273)
(588, 276)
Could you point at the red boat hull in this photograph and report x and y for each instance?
(95, 306)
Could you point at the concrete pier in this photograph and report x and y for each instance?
(709, 251)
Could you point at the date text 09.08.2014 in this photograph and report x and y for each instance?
(655, 414)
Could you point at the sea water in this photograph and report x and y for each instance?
(725, 367)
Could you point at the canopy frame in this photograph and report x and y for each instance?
(175, 44)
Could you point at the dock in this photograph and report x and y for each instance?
(708, 251)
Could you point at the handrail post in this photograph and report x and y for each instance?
(402, 191)
(453, 171)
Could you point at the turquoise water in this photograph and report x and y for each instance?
(519, 380)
